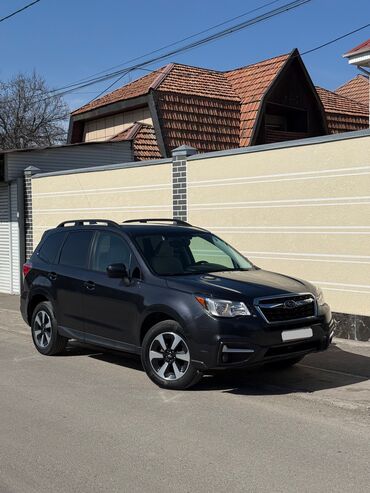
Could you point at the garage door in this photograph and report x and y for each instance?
(9, 240)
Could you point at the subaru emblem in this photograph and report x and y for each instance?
(290, 304)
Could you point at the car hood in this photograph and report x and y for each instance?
(251, 284)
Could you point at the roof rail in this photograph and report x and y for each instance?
(88, 222)
(179, 222)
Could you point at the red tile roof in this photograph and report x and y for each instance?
(365, 46)
(250, 84)
(357, 89)
(212, 110)
(217, 97)
(205, 123)
(133, 89)
(143, 139)
(185, 79)
(343, 114)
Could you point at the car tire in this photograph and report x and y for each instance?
(285, 363)
(44, 329)
(166, 357)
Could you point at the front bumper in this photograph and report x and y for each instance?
(244, 342)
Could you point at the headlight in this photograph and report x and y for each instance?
(223, 308)
(320, 297)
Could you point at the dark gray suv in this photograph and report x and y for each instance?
(177, 295)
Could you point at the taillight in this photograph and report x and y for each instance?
(26, 268)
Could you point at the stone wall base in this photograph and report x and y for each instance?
(348, 326)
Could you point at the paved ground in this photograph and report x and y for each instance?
(91, 421)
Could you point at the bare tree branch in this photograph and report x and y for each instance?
(27, 117)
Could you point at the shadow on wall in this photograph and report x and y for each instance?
(356, 327)
(330, 369)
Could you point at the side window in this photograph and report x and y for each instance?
(110, 249)
(50, 247)
(76, 249)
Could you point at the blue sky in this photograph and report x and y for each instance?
(65, 40)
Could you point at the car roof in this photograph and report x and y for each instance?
(132, 229)
(135, 229)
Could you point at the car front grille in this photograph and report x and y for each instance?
(287, 308)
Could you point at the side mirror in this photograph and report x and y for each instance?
(117, 271)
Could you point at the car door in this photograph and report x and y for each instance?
(71, 275)
(111, 306)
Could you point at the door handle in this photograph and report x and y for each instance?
(90, 285)
(52, 276)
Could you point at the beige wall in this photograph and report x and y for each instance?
(115, 194)
(304, 211)
(106, 128)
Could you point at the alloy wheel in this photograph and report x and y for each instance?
(169, 356)
(42, 329)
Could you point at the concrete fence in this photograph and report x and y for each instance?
(300, 208)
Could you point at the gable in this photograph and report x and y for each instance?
(250, 84)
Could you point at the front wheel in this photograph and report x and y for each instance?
(166, 357)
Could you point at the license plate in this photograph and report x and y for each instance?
(293, 335)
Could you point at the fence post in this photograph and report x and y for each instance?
(179, 181)
(28, 221)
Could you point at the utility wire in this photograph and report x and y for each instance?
(335, 40)
(215, 36)
(19, 10)
(182, 40)
(90, 77)
(311, 50)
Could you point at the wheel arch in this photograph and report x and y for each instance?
(155, 315)
(36, 298)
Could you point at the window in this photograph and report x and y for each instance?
(180, 254)
(110, 249)
(205, 251)
(50, 247)
(76, 249)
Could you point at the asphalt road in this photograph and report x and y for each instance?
(91, 421)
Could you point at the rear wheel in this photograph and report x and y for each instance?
(166, 357)
(44, 330)
(285, 363)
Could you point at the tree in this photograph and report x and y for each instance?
(29, 115)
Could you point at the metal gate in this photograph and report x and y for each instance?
(9, 239)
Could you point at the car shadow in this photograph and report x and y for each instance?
(317, 371)
(331, 369)
(127, 360)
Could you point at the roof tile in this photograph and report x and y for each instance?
(356, 88)
(144, 140)
(133, 89)
(343, 114)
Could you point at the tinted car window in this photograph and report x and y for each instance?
(110, 249)
(50, 247)
(174, 254)
(76, 248)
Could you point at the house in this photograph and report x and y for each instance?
(266, 102)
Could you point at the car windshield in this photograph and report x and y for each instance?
(190, 253)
